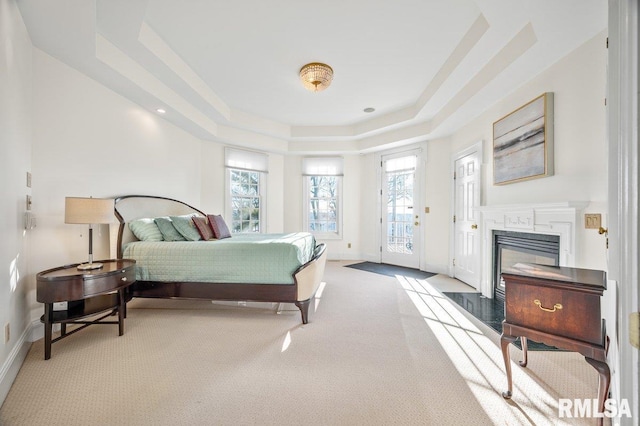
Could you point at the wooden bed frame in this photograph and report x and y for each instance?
(306, 278)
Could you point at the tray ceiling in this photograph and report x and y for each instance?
(228, 70)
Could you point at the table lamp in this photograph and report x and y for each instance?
(89, 211)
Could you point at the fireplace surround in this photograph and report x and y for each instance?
(551, 219)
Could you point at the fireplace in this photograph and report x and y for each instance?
(510, 248)
(552, 222)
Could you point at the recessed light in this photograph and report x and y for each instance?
(160, 111)
(369, 109)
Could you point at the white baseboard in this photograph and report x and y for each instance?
(375, 258)
(9, 370)
(37, 330)
(344, 256)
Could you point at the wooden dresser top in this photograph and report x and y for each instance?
(583, 278)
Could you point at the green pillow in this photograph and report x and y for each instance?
(185, 226)
(169, 232)
(145, 229)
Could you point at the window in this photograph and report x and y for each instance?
(322, 196)
(246, 176)
(245, 201)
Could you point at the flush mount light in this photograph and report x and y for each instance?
(369, 109)
(316, 76)
(160, 111)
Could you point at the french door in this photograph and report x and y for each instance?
(400, 242)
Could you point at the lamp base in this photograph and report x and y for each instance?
(89, 266)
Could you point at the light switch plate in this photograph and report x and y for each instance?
(592, 221)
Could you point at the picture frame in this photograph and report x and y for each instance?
(523, 142)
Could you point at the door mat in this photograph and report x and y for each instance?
(390, 270)
(491, 313)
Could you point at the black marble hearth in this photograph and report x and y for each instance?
(491, 313)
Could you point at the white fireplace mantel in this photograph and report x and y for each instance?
(559, 219)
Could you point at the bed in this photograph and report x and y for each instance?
(280, 268)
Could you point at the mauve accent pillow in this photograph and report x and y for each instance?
(169, 232)
(203, 227)
(186, 227)
(218, 226)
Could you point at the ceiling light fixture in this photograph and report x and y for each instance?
(160, 111)
(316, 76)
(369, 109)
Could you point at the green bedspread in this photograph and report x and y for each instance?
(243, 258)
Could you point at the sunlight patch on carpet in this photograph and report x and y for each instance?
(479, 361)
(286, 342)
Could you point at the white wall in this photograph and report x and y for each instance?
(436, 223)
(369, 221)
(578, 82)
(15, 160)
(275, 194)
(90, 141)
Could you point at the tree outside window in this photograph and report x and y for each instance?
(245, 201)
(323, 196)
(323, 204)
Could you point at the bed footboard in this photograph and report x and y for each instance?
(308, 278)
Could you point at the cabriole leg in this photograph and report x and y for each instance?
(504, 344)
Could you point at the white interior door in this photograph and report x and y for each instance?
(467, 181)
(400, 218)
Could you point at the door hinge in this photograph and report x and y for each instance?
(454, 218)
(380, 249)
(454, 262)
(607, 42)
(454, 175)
(380, 220)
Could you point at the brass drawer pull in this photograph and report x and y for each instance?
(557, 306)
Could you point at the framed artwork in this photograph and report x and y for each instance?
(523, 142)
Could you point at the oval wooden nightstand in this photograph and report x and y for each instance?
(87, 293)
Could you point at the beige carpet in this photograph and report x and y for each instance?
(378, 351)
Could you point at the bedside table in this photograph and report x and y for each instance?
(87, 294)
(559, 306)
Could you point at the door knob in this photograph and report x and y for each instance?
(416, 223)
(474, 226)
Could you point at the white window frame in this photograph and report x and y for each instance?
(246, 161)
(329, 167)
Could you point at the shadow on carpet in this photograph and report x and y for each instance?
(390, 270)
(491, 312)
